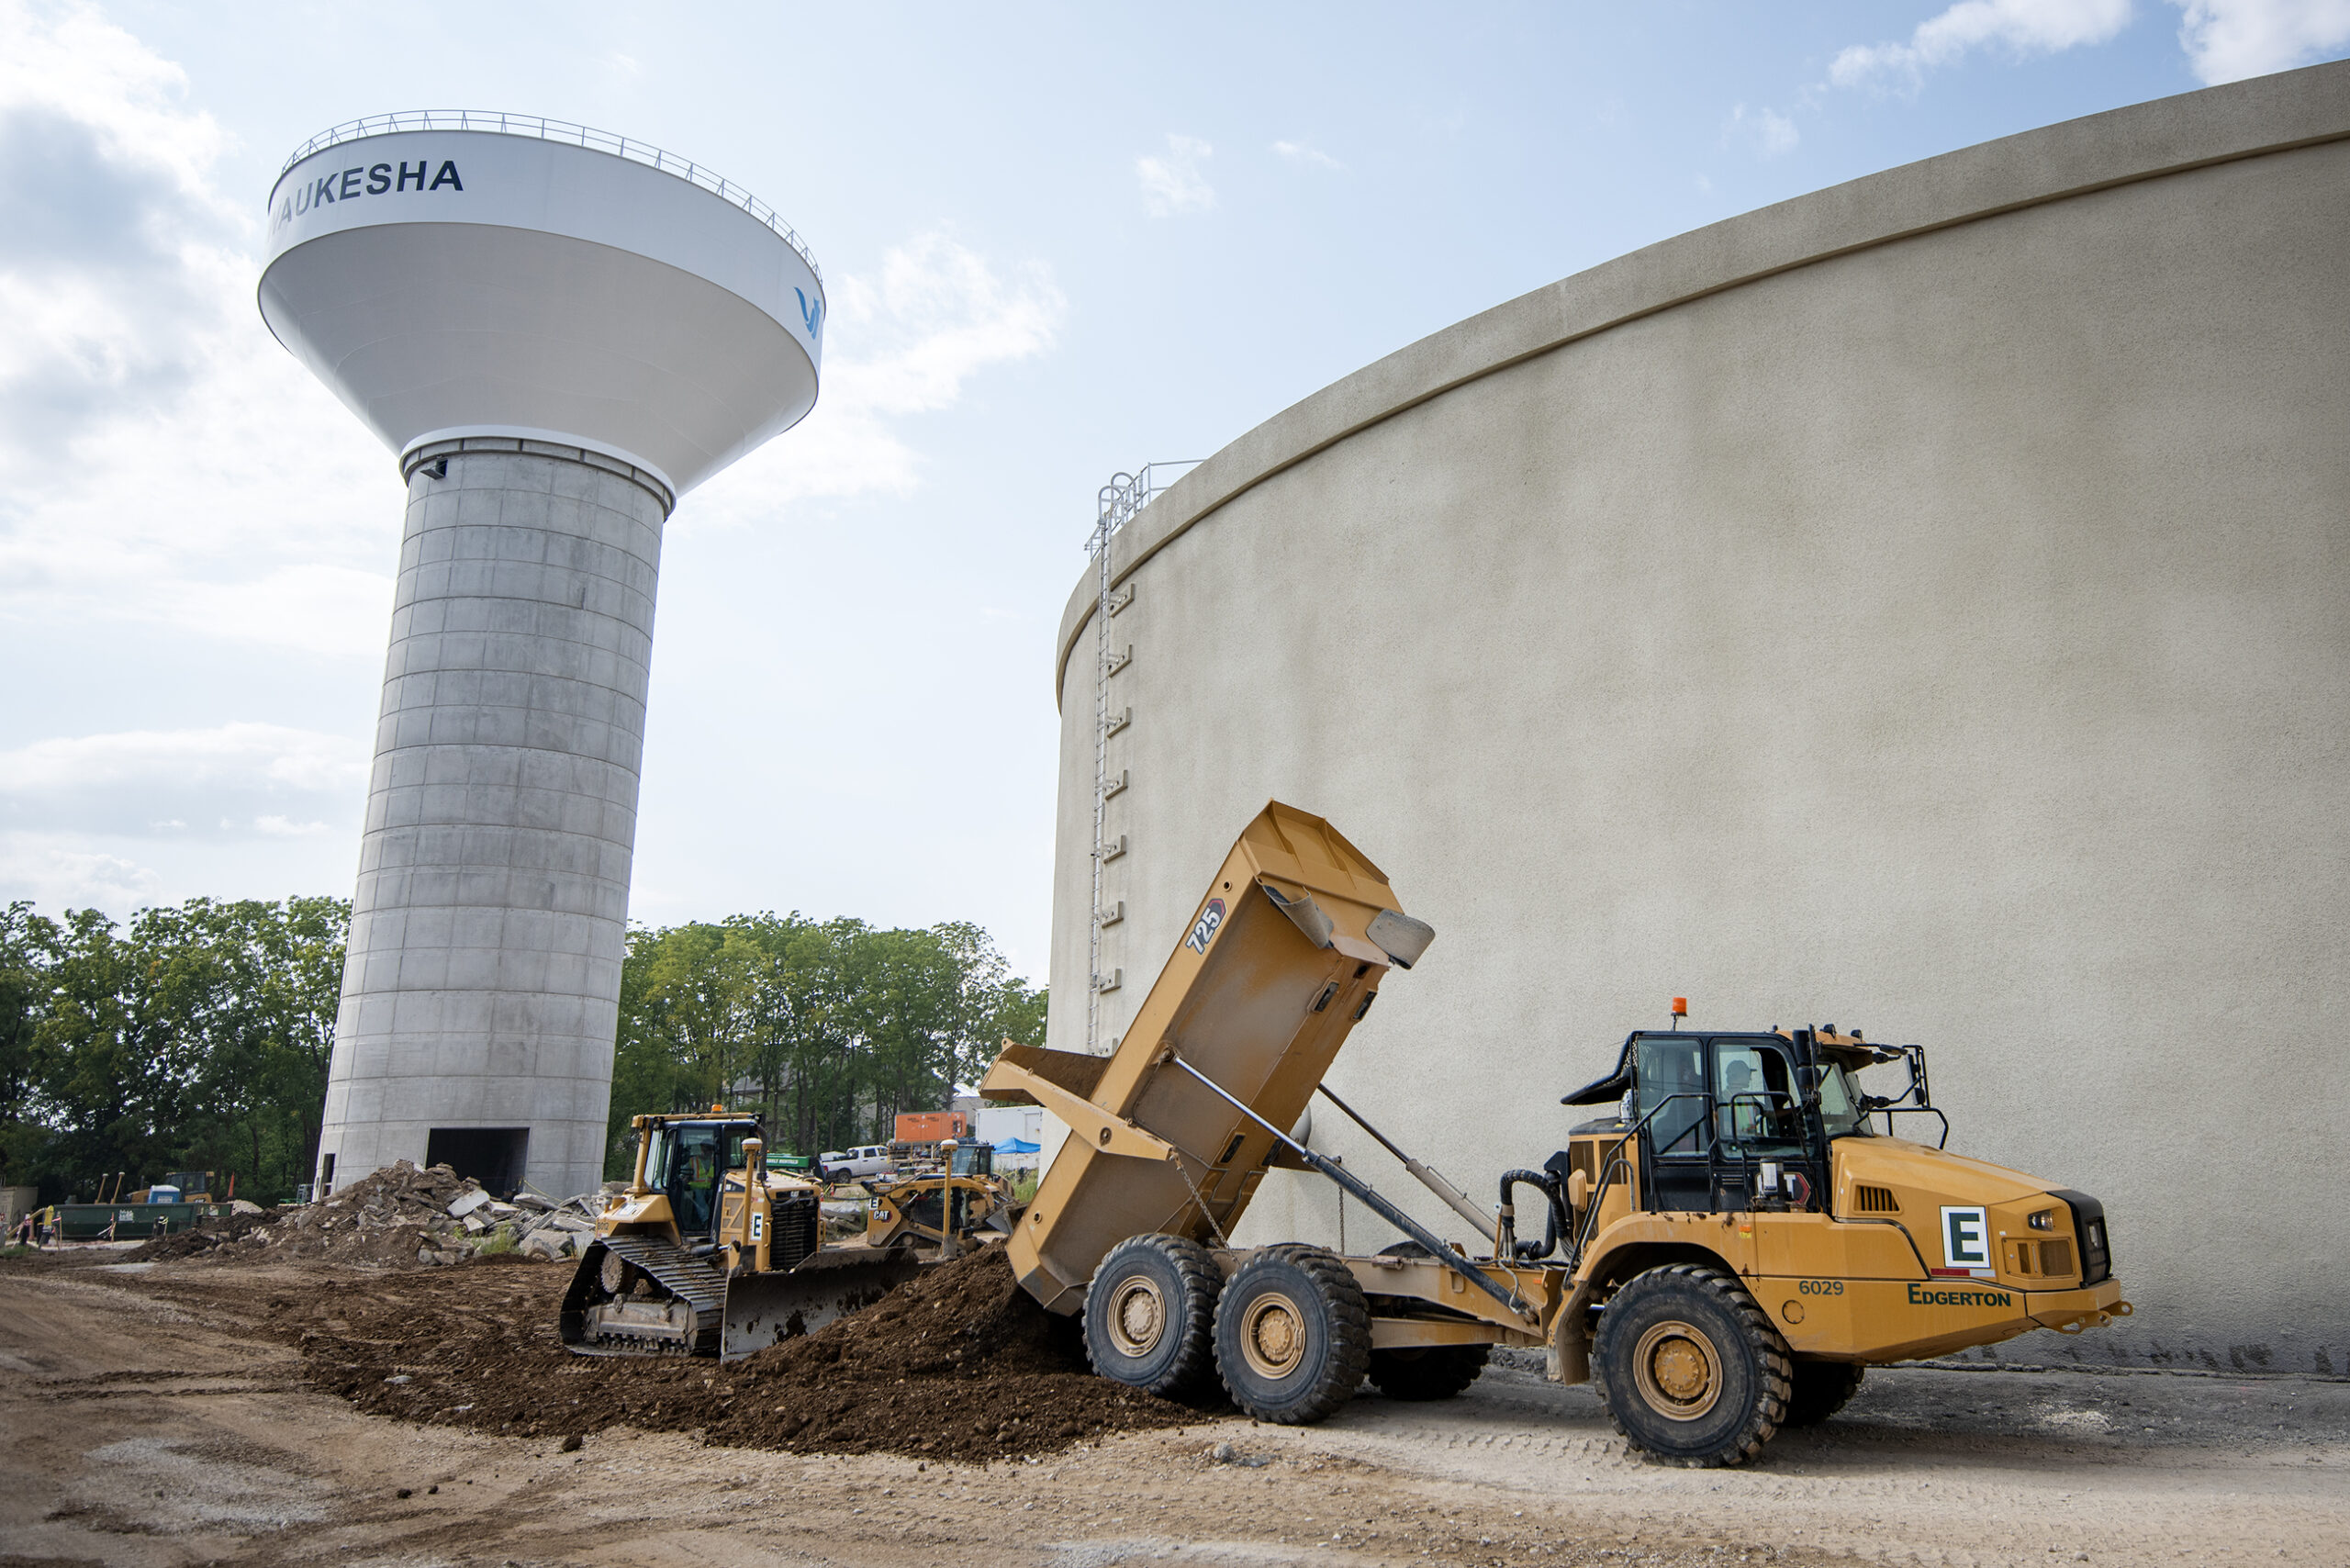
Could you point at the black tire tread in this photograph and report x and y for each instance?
(1194, 1363)
(1350, 1358)
(1440, 1372)
(1820, 1389)
(1768, 1414)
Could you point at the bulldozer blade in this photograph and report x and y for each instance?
(767, 1309)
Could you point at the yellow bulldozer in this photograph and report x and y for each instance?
(1722, 1257)
(710, 1252)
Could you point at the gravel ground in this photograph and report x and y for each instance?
(159, 1416)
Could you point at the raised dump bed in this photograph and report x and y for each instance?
(1285, 955)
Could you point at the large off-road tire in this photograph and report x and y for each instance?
(1150, 1314)
(1689, 1368)
(1821, 1390)
(1431, 1371)
(1293, 1335)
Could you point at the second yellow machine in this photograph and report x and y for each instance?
(1722, 1256)
(710, 1253)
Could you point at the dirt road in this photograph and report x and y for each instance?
(162, 1417)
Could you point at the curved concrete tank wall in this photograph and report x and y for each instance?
(1922, 605)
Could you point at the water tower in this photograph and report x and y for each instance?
(558, 332)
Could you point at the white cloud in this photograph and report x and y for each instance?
(162, 460)
(244, 755)
(899, 343)
(2227, 40)
(1770, 132)
(2021, 27)
(1307, 157)
(287, 827)
(1174, 184)
(56, 875)
(135, 817)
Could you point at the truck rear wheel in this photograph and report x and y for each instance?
(1821, 1390)
(1150, 1314)
(1689, 1368)
(1430, 1371)
(1293, 1335)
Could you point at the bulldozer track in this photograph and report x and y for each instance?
(691, 1280)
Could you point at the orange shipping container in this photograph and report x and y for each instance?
(929, 1126)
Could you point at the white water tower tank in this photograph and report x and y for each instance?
(559, 333)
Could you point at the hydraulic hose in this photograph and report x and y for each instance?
(1554, 1219)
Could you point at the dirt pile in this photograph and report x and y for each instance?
(959, 1364)
(211, 1234)
(402, 1217)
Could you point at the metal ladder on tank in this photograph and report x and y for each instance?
(1116, 505)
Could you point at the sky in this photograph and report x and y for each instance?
(1058, 242)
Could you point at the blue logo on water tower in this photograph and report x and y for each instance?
(812, 313)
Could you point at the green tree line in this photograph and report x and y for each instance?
(197, 1036)
(194, 1037)
(827, 1028)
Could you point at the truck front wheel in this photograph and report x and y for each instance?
(1150, 1314)
(1690, 1369)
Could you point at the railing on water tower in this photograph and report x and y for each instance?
(563, 130)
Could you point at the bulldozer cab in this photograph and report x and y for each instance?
(972, 1159)
(685, 1161)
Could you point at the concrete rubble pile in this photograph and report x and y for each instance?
(431, 1216)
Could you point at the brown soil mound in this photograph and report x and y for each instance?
(193, 1243)
(959, 1364)
(398, 1217)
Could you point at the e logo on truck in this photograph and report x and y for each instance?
(1966, 1238)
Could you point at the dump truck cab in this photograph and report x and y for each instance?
(1739, 1119)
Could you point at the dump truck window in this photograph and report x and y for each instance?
(1670, 1079)
(1753, 1096)
(1840, 1112)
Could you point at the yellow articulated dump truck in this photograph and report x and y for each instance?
(1720, 1259)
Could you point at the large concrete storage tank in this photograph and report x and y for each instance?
(559, 333)
(1923, 605)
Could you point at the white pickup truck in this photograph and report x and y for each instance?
(853, 1164)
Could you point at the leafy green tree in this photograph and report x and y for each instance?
(195, 1038)
(829, 1029)
(22, 986)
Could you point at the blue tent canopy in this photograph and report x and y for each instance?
(1018, 1146)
